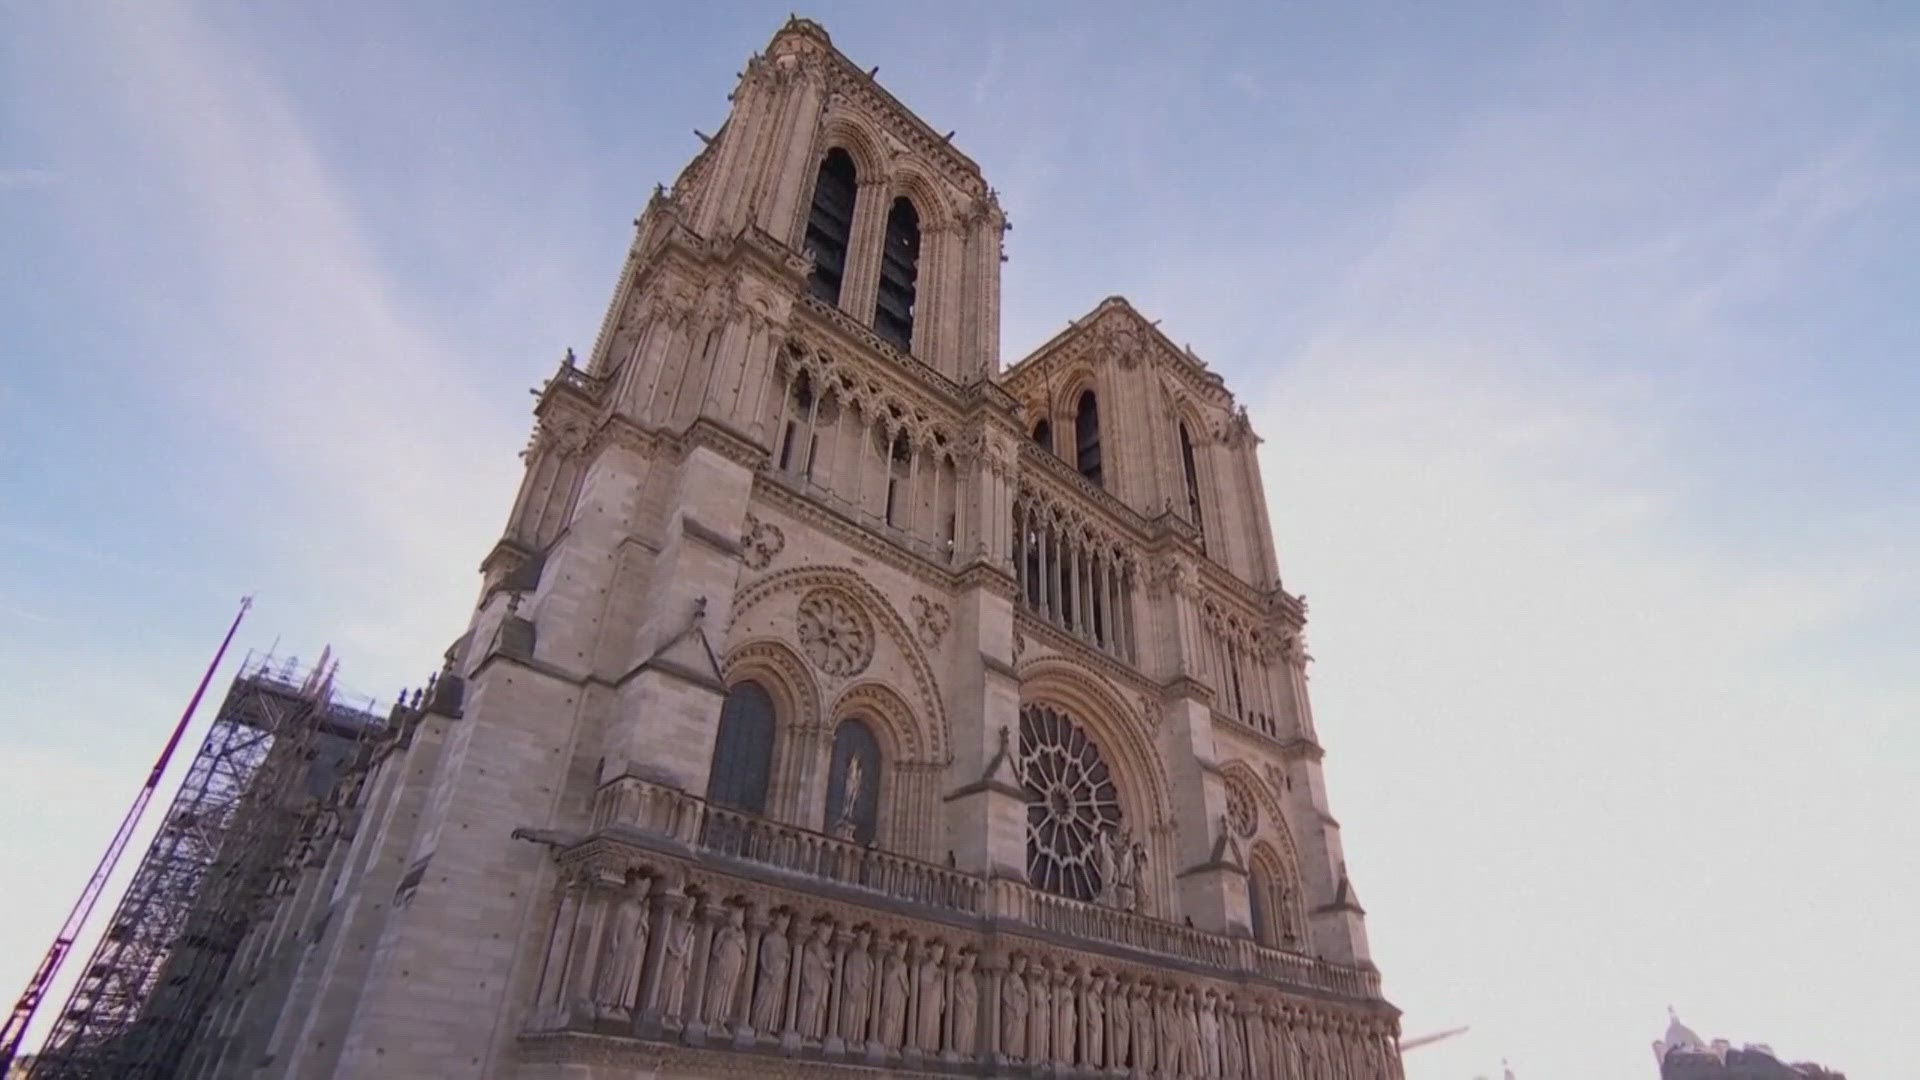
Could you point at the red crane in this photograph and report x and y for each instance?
(23, 1010)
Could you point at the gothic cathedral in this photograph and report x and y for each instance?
(839, 701)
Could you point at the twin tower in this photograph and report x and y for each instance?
(838, 699)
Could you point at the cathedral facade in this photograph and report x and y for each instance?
(839, 700)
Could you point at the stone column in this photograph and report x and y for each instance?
(693, 1007)
(756, 925)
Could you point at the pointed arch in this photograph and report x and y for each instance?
(1086, 436)
(925, 687)
(895, 302)
(1116, 726)
(1276, 903)
(929, 195)
(828, 237)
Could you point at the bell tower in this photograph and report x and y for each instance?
(835, 696)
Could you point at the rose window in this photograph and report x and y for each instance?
(1073, 807)
(835, 634)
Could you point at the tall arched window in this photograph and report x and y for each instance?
(1043, 433)
(1257, 892)
(853, 783)
(1086, 437)
(1193, 483)
(743, 750)
(798, 437)
(830, 224)
(899, 268)
(1269, 902)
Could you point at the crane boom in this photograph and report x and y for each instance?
(1423, 1040)
(17, 1021)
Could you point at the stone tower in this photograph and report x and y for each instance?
(836, 697)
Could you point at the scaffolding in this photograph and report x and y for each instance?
(281, 756)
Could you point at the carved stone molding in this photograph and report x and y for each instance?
(930, 621)
(760, 542)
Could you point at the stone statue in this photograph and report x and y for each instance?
(966, 1006)
(1209, 1035)
(932, 1000)
(725, 962)
(816, 973)
(847, 816)
(1120, 1026)
(618, 975)
(1108, 862)
(1013, 1011)
(1039, 1016)
(1064, 1016)
(1233, 1056)
(679, 932)
(1189, 1008)
(856, 990)
(770, 994)
(1135, 877)
(1093, 1023)
(1172, 1045)
(894, 989)
(1145, 1029)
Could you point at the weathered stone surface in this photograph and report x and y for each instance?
(745, 482)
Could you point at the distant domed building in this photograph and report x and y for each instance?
(1684, 1055)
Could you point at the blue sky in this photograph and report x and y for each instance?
(1582, 338)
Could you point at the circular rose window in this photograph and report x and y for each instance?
(1073, 808)
(834, 633)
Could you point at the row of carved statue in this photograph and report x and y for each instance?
(649, 952)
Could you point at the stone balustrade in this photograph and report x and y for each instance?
(673, 814)
(680, 923)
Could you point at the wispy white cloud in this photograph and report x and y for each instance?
(27, 178)
(1573, 733)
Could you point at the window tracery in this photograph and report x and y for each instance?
(1073, 805)
(834, 633)
(1243, 813)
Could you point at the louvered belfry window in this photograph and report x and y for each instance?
(899, 268)
(830, 224)
(1193, 483)
(1086, 437)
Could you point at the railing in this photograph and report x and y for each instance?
(815, 855)
(633, 803)
(1020, 902)
(656, 808)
